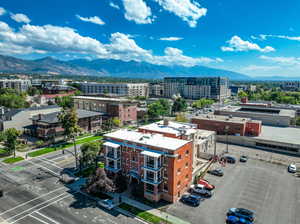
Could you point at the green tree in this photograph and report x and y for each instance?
(159, 108)
(69, 122)
(116, 122)
(65, 101)
(298, 121)
(89, 152)
(12, 99)
(179, 105)
(202, 103)
(242, 94)
(32, 91)
(11, 140)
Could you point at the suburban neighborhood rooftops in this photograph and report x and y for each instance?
(53, 117)
(172, 127)
(154, 140)
(121, 100)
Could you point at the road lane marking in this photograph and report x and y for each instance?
(50, 163)
(30, 201)
(41, 208)
(12, 217)
(38, 165)
(46, 217)
(42, 221)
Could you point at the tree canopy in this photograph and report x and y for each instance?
(11, 140)
(179, 105)
(89, 152)
(159, 108)
(99, 183)
(12, 99)
(202, 103)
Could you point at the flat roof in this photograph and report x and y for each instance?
(104, 99)
(154, 140)
(280, 134)
(223, 118)
(112, 145)
(151, 154)
(172, 127)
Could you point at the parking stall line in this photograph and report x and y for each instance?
(42, 221)
(46, 217)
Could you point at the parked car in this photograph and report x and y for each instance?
(200, 190)
(216, 172)
(229, 159)
(206, 184)
(243, 159)
(241, 213)
(190, 199)
(292, 168)
(236, 220)
(1, 193)
(107, 203)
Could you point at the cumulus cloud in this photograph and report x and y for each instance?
(188, 10)
(114, 5)
(237, 44)
(2, 11)
(171, 38)
(137, 11)
(20, 18)
(287, 61)
(65, 40)
(93, 19)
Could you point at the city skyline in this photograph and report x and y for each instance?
(256, 39)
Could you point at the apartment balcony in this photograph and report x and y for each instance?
(153, 181)
(152, 167)
(113, 168)
(113, 156)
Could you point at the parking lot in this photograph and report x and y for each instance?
(263, 187)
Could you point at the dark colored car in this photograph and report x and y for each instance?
(236, 220)
(216, 172)
(191, 199)
(229, 159)
(243, 159)
(241, 213)
(1, 193)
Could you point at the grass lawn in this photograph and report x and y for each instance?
(13, 160)
(143, 214)
(62, 146)
(2, 151)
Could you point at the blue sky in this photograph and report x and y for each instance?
(254, 37)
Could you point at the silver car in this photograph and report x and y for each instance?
(107, 203)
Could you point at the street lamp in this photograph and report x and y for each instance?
(226, 131)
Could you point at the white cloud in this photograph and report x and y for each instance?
(171, 38)
(93, 19)
(237, 44)
(20, 18)
(137, 11)
(286, 61)
(65, 40)
(2, 11)
(114, 5)
(260, 68)
(265, 36)
(188, 10)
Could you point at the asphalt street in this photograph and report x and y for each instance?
(33, 195)
(265, 188)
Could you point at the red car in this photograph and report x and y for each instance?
(206, 184)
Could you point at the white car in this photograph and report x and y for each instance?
(200, 190)
(292, 168)
(106, 203)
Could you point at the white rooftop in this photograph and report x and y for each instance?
(112, 145)
(176, 128)
(103, 99)
(154, 140)
(151, 154)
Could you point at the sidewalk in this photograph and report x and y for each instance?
(153, 211)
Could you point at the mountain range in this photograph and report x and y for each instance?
(114, 68)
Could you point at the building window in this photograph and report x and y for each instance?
(187, 176)
(178, 183)
(187, 152)
(179, 157)
(187, 165)
(166, 188)
(178, 171)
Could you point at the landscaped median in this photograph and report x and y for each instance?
(144, 215)
(63, 146)
(13, 160)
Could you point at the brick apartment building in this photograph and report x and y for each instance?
(48, 127)
(228, 125)
(203, 140)
(163, 164)
(123, 109)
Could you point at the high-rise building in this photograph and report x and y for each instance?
(195, 88)
(117, 89)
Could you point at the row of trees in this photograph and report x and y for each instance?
(10, 98)
(202, 103)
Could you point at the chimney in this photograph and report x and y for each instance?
(166, 122)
